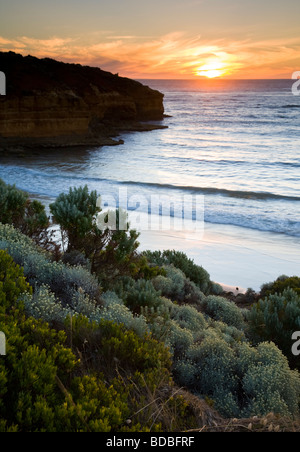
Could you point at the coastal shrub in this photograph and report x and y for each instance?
(29, 216)
(114, 310)
(45, 388)
(76, 259)
(146, 270)
(194, 272)
(39, 389)
(43, 305)
(187, 317)
(63, 280)
(270, 385)
(276, 318)
(10, 234)
(117, 344)
(139, 368)
(213, 358)
(75, 212)
(224, 310)
(60, 290)
(229, 334)
(172, 285)
(12, 282)
(110, 251)
(281, 283)
(138, 294)
(176, 286)
(118, 255)
(241, 380)
(179, 340)
(12, 203)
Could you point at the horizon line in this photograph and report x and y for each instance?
(207, 78)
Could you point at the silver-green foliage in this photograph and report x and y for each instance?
(214, 359)
(224, 310)
(276, 317)
(242, 380)
(177, 286)
(211, 354)
(44, 305)
(63, 280)
(61, 290)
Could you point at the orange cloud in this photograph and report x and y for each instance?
(174, 55)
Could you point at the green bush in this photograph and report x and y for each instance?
(268, 383)
(61, 290)
(63, 280)
(281, 283)
(39, 389)
(224, 310)
(12, 282)
(12, 203)
(146, 270)
(138, 294)
(111, 253)
(123, 379)
(276, 318)
(242, 381)
(194, 272)
(118, 384)
(176, 286)
(75, 213)
(28, 216)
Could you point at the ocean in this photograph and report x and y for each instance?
(233, 144)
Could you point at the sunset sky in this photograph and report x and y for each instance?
(159, 38)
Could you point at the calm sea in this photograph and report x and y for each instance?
(235, 142)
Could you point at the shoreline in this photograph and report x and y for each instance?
(10, 147)
(235, 257)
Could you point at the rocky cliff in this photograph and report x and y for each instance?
(53, 103)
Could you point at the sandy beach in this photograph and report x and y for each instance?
(235, 257)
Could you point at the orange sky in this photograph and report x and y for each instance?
(174, 40)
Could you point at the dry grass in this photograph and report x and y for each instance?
(270, 423)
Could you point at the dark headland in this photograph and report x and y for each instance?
(50, 103)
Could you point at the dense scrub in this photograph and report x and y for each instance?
(281, 283)
(275, 318)
(44, 386)
(195, 273)
(124, 329)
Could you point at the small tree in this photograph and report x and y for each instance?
(75, 212)
(281, 283)
(275, 318)
(12, 282)
(29, 216)
(111, 251)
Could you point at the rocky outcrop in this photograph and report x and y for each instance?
(53, 103)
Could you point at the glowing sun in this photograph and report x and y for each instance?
(211, 70)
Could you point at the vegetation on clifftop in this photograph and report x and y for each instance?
(101, 337)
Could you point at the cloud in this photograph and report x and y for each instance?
(174, 55)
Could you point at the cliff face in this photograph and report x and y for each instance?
(48, 102)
